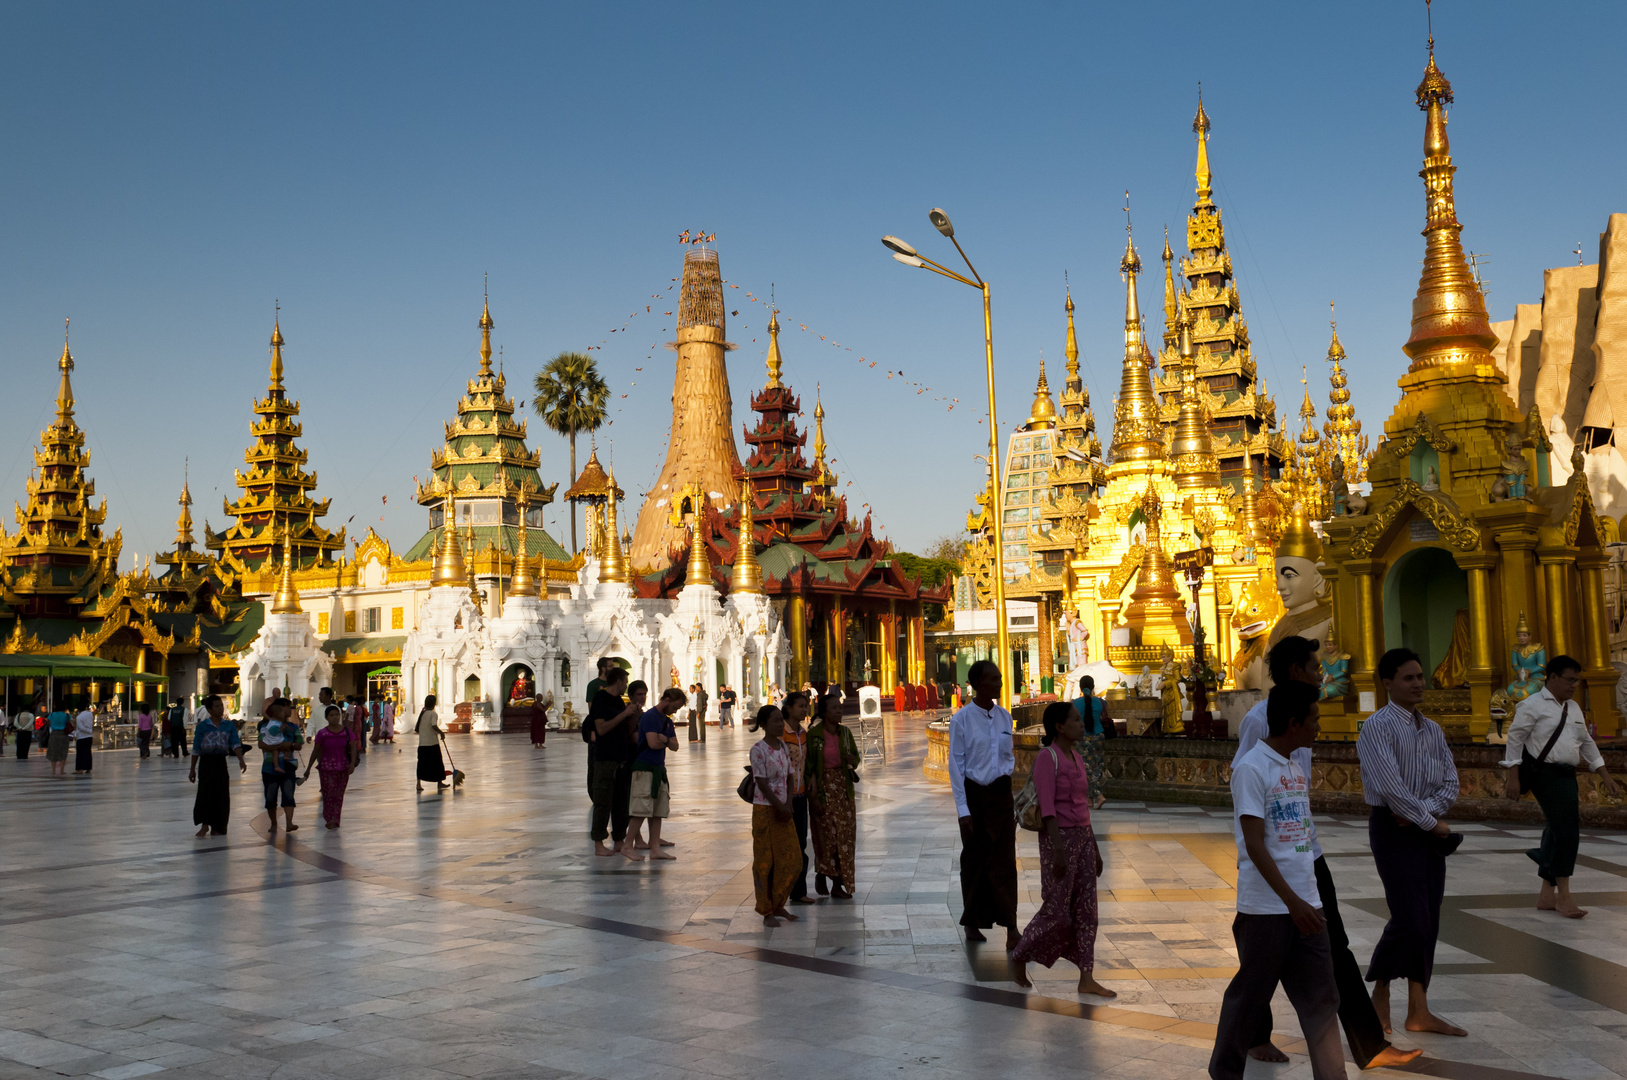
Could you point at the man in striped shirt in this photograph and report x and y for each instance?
(1409, 780)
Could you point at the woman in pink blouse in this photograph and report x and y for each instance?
(1069, 862)
(334, 755)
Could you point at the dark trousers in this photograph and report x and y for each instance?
(1413, 869)
(799, 814)
(25, 739)
(1555, 789)
(612, 789)
(1356, 1012)
(988, 856)
(177, 740)
(1270, 949)
(81, 755)
(144, 740)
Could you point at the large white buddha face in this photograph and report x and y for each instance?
(1299, 582)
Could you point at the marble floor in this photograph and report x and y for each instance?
(474, 934)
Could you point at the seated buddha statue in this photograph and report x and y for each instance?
(1527, 660)
(521, 692)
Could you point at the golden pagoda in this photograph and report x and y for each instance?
(58, 561)
(595, 488)
(700, 444)
(1226, 378)
(1464, 536)
(274, 495)
(478, 476)
(1342, 433)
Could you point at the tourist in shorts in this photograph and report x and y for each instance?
(651, 794)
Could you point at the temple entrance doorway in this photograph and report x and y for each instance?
(1423, 593)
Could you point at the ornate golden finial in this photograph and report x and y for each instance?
(1192, 453)
(1521, 626)
(183, 524)
(286, 601)
(1043, 411)
(613, 566)
(1342, 427)
(1200, 127)
(700, 569)
(449, 570)
(1250, 511)
(1072, 349)
(469, 565)
(747, 576)
(774, 361)
(275, 388)
(1171, 315)
(485, 334)
(1449, 323)
(521, 583)
(1307, 412)
(1138, 434)
(64, 393)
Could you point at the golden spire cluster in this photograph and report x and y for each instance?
(1343, 430)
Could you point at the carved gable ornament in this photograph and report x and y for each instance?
(1422, 428)
(1456, 530)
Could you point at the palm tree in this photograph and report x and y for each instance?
(570, 396)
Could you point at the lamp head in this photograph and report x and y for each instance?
(908, 260)
(940, 221)
(894, 244)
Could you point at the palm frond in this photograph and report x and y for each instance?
(570, 396)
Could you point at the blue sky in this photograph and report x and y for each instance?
(171, 170)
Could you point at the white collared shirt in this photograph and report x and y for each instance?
(979, 749)
(1533, 726)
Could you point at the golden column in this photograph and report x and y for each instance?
(838, 627)
(1367, 575)
(796, 614)
(1600, 676)
(1555, 562)
(1479, 565)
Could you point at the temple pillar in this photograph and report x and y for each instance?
(1045, 660)
(889, 650)
(796, 618)
(918, 649)
(1600, 675)
(1555, 562)
(1367, 575)
(1482, 631)
(838, 624)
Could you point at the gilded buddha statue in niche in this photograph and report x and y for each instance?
(1527, 660)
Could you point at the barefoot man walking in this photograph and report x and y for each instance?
(1409, 780)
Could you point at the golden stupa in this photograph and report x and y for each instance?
(1464, 535)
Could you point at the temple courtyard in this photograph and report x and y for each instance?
(474, 934)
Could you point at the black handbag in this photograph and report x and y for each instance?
(1529, 764)
(748, 786)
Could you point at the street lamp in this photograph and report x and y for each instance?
(907, 255)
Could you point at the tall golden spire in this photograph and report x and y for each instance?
(275, 389)
(485, 336)
(1072, 350)
(1171, 314)
(1308, 437)
(775, 363)
(469, 564)
(747, 576)
(449, 570)
(1343, 429)
(824, 481)
(521, 583)
(286, 601)
(1200, 127)
(700, 568)
(1250, 510)
(64, 393)
(1192, 454)
(1137, 433)
(613, 565)
(1449, 324)
(183, 524)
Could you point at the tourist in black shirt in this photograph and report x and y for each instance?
(615, 726)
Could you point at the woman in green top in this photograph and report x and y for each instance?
(830, 768)
(56, 749)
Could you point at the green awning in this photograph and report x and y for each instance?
(387, 669)
(25, 666)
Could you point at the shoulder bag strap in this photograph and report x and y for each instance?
(1564, 712)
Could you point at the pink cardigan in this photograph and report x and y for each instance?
(1063, 787)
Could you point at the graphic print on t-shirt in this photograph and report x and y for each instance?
(1286, 802)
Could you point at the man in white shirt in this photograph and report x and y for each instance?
(1296, 659)
(1550, 727)
(84, 733)
(1280, 930)
(981, 761)
(24, 725)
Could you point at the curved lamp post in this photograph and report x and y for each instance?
(907, 255)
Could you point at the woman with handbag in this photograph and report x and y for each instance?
(775, 860)
(1551, 723)
(831, 769)
(1069, 861)
(431, 766)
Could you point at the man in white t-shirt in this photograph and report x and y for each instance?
(1280, 931)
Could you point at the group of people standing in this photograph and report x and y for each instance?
(627, 763)
(802, 783)
(69, 725)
